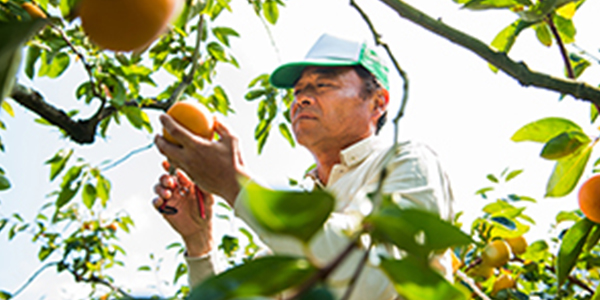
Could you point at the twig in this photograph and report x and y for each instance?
(94, 279)
(561, 47)
(357, 272)
(30, 280)
(88, 68)
(324, 272)
(377, 196)
(188, 78)
(402, 73)
(586, 53)
(124, 158)
(517, 70)
(471, 283)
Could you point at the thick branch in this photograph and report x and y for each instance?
(80, 131)
(517, 70)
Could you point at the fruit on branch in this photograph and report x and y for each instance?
(481, 270)
(496, 254)
(125, 25)
(518, 245)
(194, 117)
(33, 10)
(503, 281)
(589, 198)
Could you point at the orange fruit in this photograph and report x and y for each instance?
(33, 10)
(456, 263)
(502, 282)
(496, 254)
(481, 270)
(194, 117)
(518, 245)
(125, 25)
(589, 198)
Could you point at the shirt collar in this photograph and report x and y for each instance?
(351, 156)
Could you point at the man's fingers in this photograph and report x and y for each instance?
(223, 131)
(163, 192)
(157, 202)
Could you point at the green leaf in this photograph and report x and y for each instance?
(33, 53)
(566, 29)
(297, 214)
(513, 174)
(58, 162)
(144, 268)
(13, 35)
(89, 195)
(593, 238)
(223, 34)
(181, 270)
(217, 51)
(103, 189)
(541, 131)
(45, 252)
(579, 64)
(415, 280)
(543, 34)
(416, 231)
(5, 295)
(271, 11)
(263, 276)
(285, 131)
(570, 248)
(3, 223)
(254, 94)
(137, 117)
(564, 144)
(491, 4)
(506, 38)
(4, 183)
(492, 178)
(567, 172)
(54, 66)
(67, 191)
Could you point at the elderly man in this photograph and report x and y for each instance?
(341, 97)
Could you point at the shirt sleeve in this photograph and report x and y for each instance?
(199, 269)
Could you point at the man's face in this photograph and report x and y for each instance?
(329, 111)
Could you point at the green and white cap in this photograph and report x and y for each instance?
(330, 51)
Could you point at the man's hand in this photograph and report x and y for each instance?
(215, 166)
(179, 192)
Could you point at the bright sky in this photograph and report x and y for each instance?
(457, 105)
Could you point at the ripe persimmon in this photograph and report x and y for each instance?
(503, 281)
(33, 10)
(518, 245)
(194, 117)
(496, 254)
(589, 198)
(125, 25)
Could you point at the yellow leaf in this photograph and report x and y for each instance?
(567, 11)
(6, 106)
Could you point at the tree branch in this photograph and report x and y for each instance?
(561, 47)
(324, 272)
(517, 70)
(81, 131)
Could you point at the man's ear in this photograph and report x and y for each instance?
(380, 102)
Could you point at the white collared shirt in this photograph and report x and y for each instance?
(415, 179)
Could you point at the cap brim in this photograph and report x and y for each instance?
(286, 75)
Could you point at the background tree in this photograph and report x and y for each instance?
(122, 76)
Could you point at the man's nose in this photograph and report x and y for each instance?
(304, 98)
